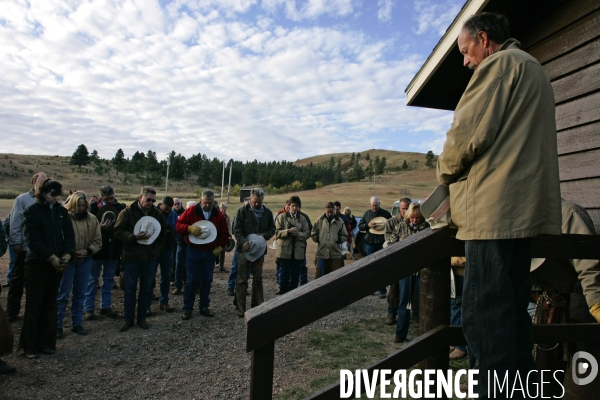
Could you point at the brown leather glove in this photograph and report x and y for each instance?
(57, 263)
(217, 251)
(595, 311)
(65, 258)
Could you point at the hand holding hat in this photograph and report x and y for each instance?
(217, 251)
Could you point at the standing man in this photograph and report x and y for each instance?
(201, 257)
(373, 242)
(393, 298)
(501, 150)
(165, 259)
(252, 218)
(231, 282)
(180, 252)
(107, 259)
(139, 258)
(19, 245)
(338, 212)
(292, 231)
(329, 232)
(221, 258)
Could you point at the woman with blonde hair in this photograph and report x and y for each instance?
(412, 223)
(88, 241)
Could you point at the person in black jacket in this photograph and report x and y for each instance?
(374, 242)
(51, 242)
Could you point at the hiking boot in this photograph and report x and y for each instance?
(177, 292)
(399, 340)
(206, 312)
(186, 315)
(222, 269)
(390, 319)
(166, 308)
(49, 351)
(230, 292)
(89, 315)
(6, 368)
(142, 323)
(240, 313)
(108, 312)
(126, 325)
(79, 330)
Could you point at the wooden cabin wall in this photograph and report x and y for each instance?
(567, 44)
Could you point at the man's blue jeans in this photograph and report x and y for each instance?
(408, 285)
(199, 269)
(134, 271)
(289, 271)
(180, 265)
(74, 278)
(372, 248)
(108, 273)
(233, 272)
(165, 260)
(494, 309)
(455, 304)
(11, 263)
(303, 273)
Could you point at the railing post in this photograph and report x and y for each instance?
(434, 307)
(261, 374)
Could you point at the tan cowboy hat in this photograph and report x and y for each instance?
(536, 263)
(436, 208)
(379, 225)
(230, 245)
(209, 232)
(257, 246)
(149, 225)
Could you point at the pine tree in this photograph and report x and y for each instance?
(81, 156)
(119, 160)
(352, 159)
(404, 165)
(380, 166)
(368, 157)
(429, 159)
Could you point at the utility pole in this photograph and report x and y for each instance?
(167, 181)
(222, 180)
(229, 186)
(374, 183)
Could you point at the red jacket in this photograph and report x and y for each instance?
(195, 214)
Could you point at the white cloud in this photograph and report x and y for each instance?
(385, 10)
(436, 18)
(136, 76)
(298, 10)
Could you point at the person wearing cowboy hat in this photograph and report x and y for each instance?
(253, 225)
(205, 232)
(142, 230)
(375, 230)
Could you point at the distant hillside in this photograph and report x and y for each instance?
(416, 161)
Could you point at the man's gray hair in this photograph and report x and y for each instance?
(257, 192)
(209, 194)
(495, 25)
(374, 198)
(107, 191)
(147, 189)
(223, 205)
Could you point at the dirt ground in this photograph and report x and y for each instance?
(202, 358)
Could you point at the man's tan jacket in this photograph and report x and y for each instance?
(500, 155)
(329, 237)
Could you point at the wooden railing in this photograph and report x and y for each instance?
(429, 251)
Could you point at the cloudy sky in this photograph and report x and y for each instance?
(242, 79)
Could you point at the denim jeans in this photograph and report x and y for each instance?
(289, 272)
(372, 248)
(134, 271)
(233, 272)
(494, 309)
(11, 263)
(408, 286)
(199, 268)
(180, 265)
(303, 273)
(165, 260)
(108, 272)
(75, 277)
(455, 303)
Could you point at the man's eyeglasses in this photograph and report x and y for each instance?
(108, 199)
(150, 200)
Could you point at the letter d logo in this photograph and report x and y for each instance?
(590, 364)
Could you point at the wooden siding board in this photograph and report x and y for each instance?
(578, 112)
(579, 165)
(585, 192)
(579, 138)
(573, 36)
(577, 84)
(562, 16)
(569, 62)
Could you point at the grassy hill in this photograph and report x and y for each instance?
(416, 182)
